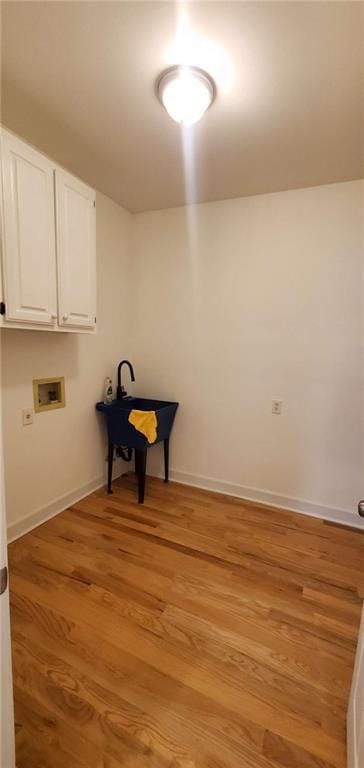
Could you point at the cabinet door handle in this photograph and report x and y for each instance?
(65, 317)
(53, 317)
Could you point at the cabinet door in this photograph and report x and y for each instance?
(29, 238)
(76, 252)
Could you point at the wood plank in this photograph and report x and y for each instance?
(198, 631)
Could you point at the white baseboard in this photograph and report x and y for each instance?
(335, 515)
(33, 519)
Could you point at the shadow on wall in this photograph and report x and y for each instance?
(37, 354)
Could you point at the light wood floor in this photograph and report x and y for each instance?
(198, 631)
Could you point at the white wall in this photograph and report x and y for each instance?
(64, 450)
(242, 301)
(223, 307)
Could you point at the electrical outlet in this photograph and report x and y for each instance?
(277, 407)
(28, 416)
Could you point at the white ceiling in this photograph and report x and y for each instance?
(78, 82)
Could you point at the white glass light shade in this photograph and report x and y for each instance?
(186, 93)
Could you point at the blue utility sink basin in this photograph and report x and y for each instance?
(123, 434)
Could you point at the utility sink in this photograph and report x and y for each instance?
(122, 434)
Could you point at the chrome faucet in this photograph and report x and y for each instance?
(121, 391)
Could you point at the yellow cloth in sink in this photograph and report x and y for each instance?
(145, 422)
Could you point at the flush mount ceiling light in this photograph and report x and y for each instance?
(186, 93)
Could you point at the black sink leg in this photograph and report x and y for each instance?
(109, 467)
(166, 460)
(136, 462)
(141, 466)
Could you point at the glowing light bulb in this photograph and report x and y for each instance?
(186, 93)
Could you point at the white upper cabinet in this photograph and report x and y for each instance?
(29, 253)
(48, 243)
(76, 252)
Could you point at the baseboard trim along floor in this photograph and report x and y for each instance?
(33, 519)
(335, 515)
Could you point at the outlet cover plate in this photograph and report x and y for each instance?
(28, 416)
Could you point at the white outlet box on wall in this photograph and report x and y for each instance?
(27, 416)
